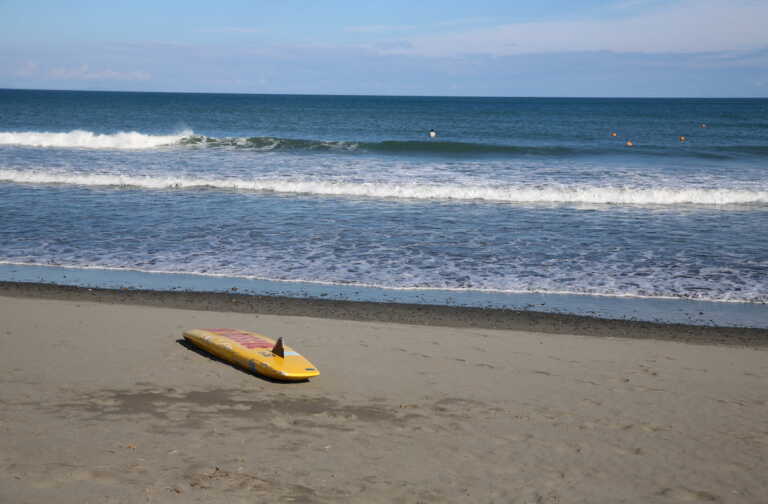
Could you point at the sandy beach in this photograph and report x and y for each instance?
(102, 402)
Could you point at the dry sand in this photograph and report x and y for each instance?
(101, 403)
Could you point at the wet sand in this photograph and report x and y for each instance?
(101, 401)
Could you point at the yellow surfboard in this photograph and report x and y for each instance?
(254, 352)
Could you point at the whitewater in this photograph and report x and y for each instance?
(513, 196)
(90, 140)
(555, 194)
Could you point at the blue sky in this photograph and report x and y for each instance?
(692, 48)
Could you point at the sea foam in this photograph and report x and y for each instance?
(90, 140)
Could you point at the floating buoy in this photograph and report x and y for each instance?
(613, 133)
(630, 143)
(703, 125)
(432, 133)
(682, 139)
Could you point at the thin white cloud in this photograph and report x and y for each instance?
(451, 23)
(231, 29)
(379, 28)
(635, 4)
(83, 72)
(730, 59)
(467, 21)
(688, 26)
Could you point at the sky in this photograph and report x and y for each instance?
(610, 48)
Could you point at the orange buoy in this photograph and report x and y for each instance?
(630, 143)
(613, 133)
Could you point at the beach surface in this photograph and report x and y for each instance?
(101, 401)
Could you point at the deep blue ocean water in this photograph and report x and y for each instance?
(514, 195)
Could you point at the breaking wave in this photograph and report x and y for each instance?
(411, 147)
(90, 140)
(135, 140)
(552, 194)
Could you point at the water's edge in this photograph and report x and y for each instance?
(488, 309)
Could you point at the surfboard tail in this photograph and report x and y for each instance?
(278, 348)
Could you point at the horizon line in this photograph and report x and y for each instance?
(391, 95)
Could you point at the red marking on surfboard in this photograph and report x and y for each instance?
(245, 339)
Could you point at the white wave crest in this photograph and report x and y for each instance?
(593, 195)
(90, 140)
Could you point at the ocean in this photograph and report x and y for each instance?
(533, 203)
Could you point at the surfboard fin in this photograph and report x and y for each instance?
(278, 348)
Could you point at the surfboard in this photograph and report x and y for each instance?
(254, 352)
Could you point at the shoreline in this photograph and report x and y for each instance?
(683, 311)
(397, 313)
